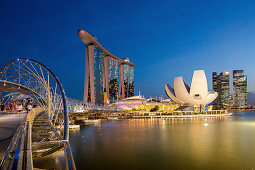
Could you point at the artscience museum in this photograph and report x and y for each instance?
(196, 95)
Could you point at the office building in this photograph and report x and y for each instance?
(221, 85)
(239, 89)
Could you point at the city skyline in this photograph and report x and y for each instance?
(163, 40)
(221, 84)
(109, 84)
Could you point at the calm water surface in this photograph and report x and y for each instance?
(193, 143)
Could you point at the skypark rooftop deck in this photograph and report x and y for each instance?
(89, 39)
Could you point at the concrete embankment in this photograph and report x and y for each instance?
(8, 126)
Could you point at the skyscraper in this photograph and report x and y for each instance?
(113, 79)
(215, 78)
(128, 80)
(107, 77)
(98, 75)
(239, 89)
(221, 85)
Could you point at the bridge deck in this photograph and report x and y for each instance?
(8, 126)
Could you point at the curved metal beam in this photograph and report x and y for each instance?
(6, 86)
(63, 96)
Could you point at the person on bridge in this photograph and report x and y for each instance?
(2, 107)
(15, 106)
(29, 106)
(11, 107)
(19, 108)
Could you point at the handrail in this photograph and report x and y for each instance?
(69, 156)
(32, 113)
(11, 145)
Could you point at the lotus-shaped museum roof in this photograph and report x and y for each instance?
(196, 94)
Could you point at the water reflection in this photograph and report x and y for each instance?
(196, 143)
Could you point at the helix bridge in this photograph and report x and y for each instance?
(44, 129)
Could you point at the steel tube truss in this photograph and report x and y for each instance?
(32, 78)
(33, 75)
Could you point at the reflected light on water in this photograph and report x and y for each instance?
(185, 143)
(206, 124)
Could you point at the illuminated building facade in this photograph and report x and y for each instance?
(140, 103)
(215, 78)
(239, 89)
(196, 95)
(98, 74)
(113, 79)
(105, 73)
(221, 85)
(128, 80)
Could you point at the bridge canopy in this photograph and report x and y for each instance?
(13, 87)
(30, 77)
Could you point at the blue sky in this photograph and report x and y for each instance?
(164, 39)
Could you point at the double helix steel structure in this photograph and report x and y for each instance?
(44, 129)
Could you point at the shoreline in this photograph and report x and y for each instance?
(173, 116)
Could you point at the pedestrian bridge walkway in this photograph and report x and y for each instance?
(8, 126)
(36, 136)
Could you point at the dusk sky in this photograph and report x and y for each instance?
(164, 39)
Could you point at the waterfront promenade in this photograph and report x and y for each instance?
(8, 126)
(82, 116)
(183, 116)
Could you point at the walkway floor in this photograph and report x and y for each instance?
(8, 126)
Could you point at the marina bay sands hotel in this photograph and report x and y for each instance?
(107, 77)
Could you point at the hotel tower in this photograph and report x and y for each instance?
(107, 77)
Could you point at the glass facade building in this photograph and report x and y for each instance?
(112, 79)
(98, 75)
(215, 89)
(128, 80)
(239, 89)
(113, 69)
(221, 85)
(104, 73)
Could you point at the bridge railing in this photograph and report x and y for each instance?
(69, 161)
(19, 152)
(9, 158)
